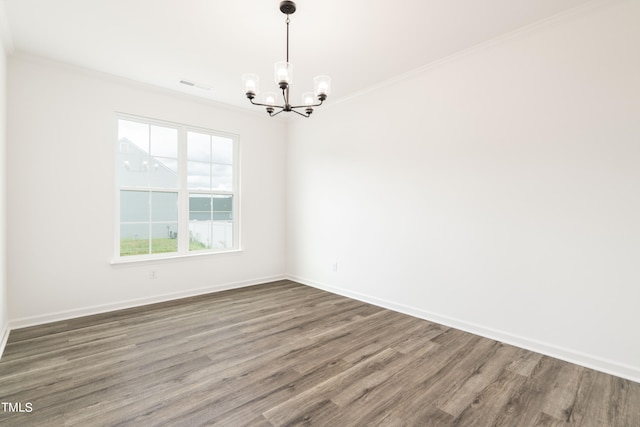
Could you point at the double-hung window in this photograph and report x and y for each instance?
(177, 190)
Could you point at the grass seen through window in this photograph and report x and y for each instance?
(158, 246)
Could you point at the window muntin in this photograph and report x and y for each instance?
(177, 189)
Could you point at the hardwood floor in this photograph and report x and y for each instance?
(286, 354)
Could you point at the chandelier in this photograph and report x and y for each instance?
(283, 77)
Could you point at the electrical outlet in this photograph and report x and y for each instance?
(153, 274)
(334, 267)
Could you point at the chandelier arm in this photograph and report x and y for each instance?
(307, 106)
(275, 114)
(265, 105)
(298, 112)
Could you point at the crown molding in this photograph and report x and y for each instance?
(96, 74)
(518, 33)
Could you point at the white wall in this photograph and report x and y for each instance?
(497, 191)
(4, 316)
(61, 195)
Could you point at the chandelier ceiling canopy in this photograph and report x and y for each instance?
(283, 74)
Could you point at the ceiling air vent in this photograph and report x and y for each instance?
(192, 84)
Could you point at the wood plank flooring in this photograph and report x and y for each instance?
(283, 354)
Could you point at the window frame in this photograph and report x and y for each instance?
(183, 191)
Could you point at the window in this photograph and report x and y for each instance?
(177, 190)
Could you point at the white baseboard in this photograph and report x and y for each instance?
(104, 308)
(4, 337)
(588, 361)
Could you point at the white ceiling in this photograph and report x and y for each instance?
(212, 42)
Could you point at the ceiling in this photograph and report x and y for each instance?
(359, 43)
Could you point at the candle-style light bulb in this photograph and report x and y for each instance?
(250, 85)
(322, 86)
(270, 98)
(283, 74)
(307, 98)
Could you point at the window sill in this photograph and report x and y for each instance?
(157, 259)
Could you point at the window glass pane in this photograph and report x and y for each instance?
(199, 175)
(133, 153)
(147, 155)
(223, 208)
(132, 165)
(163, 173)
(199, 235)
(134, 239)
(199, 207)
(222, 150)
(221, 235)
(164, 238)
(164, 142)
(198, 147)
(205, 233)
(170, 165)
(134, 206)
(134, 132)
(222, 177)
(210, 235)
(164, 206)
(163, 166)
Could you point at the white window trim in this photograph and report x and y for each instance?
(183, 195)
